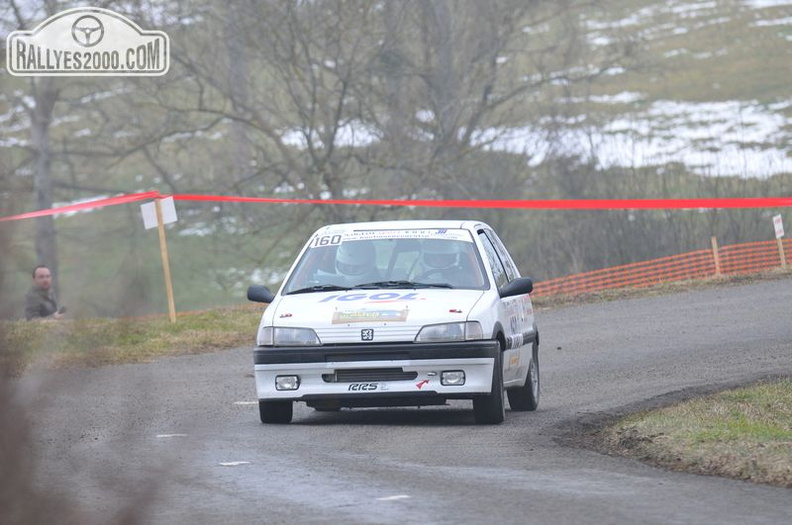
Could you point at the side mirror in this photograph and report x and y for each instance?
(260, 294)
(519, 286)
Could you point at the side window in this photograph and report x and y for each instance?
(511, 270)
(498, 271)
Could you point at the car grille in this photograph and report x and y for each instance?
(356, 375)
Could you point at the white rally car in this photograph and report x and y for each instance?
(398, 313)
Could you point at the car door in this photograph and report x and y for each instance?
(514, 313)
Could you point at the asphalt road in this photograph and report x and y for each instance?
(179, 440)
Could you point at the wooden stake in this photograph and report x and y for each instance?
(781, 252)
(716, 256)
(165, 262)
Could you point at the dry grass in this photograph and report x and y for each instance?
(743, 434)
(96, 342)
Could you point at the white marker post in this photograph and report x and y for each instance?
(778, 224)
(159, 213)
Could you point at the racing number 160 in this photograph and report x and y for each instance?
(327, 240)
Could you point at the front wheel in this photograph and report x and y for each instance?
(278, 412)
(491, 409)
(526, 397)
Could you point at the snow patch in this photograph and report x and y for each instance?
(713, 138)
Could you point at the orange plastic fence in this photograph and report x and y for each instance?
(734, 259)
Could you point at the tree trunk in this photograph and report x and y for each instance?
(44, 96)
(238, 78)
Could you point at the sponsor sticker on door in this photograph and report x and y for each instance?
(87, 41)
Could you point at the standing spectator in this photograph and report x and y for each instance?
(40, 302)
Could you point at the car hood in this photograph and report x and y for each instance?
(395, 315)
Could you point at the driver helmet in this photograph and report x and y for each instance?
(439, 254)
(355, 258)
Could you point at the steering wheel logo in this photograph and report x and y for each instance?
(87, 31)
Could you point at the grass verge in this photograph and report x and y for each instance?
(744, 433)
(96, 342)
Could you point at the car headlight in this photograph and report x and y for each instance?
(464, 331)
(286, 336)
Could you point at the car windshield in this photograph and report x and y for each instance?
(413, 258)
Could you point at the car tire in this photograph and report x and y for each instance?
(491, 409)
(278, 412)
(526, 397)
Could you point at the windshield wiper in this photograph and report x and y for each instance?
(433, 285)
(320, 288)
(402, 284)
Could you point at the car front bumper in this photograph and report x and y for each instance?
(376, 375)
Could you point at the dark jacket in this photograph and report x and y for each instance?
(39, 303)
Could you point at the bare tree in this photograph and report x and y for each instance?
(39, 108)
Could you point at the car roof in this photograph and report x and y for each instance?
(471, 225)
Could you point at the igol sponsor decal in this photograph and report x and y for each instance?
(374, 298)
